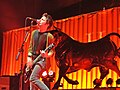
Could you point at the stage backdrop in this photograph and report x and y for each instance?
(84, 28)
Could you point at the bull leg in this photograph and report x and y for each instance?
(71, 81)
(104, 71)
(62, 72)
(112, 64)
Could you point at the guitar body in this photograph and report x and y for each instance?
(27, 74)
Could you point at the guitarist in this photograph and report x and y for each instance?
(40, 39)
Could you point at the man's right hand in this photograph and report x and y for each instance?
(29, 62)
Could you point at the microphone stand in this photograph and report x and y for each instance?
(21, 50)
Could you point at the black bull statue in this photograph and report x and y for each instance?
(72, 55)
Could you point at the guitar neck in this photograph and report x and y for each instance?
(36, 59)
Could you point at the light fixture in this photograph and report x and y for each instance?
(97, 82)
(44, 74)
(118, 82)
(48, 76)
(109, 82)
(51, 76)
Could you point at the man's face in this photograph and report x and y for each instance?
(42, 21)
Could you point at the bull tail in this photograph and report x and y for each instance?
(112, 34)
(118, 35)
(118, 52)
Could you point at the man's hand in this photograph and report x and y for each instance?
(29, 62)
(43, 53)
(46, 54)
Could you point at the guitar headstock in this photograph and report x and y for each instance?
(51, 46)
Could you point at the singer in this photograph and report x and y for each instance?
(40, 40)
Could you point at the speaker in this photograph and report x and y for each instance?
(9, 83)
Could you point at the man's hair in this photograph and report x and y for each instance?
(49, 19)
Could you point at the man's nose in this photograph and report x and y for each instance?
(38, 21)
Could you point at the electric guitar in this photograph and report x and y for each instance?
(28, 70)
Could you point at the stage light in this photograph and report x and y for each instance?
(48, 76)
(44, 74)
(51, 75)
(97, 82)
(118, 82)
(109, 82)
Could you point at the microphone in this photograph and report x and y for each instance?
(33, 19)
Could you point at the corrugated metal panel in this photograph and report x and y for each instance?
(84, 28)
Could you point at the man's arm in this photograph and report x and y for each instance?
(30, 50)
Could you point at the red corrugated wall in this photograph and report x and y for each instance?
(84, 28)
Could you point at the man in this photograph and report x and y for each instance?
(40, 39)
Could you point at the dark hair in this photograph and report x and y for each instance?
(49, 19)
